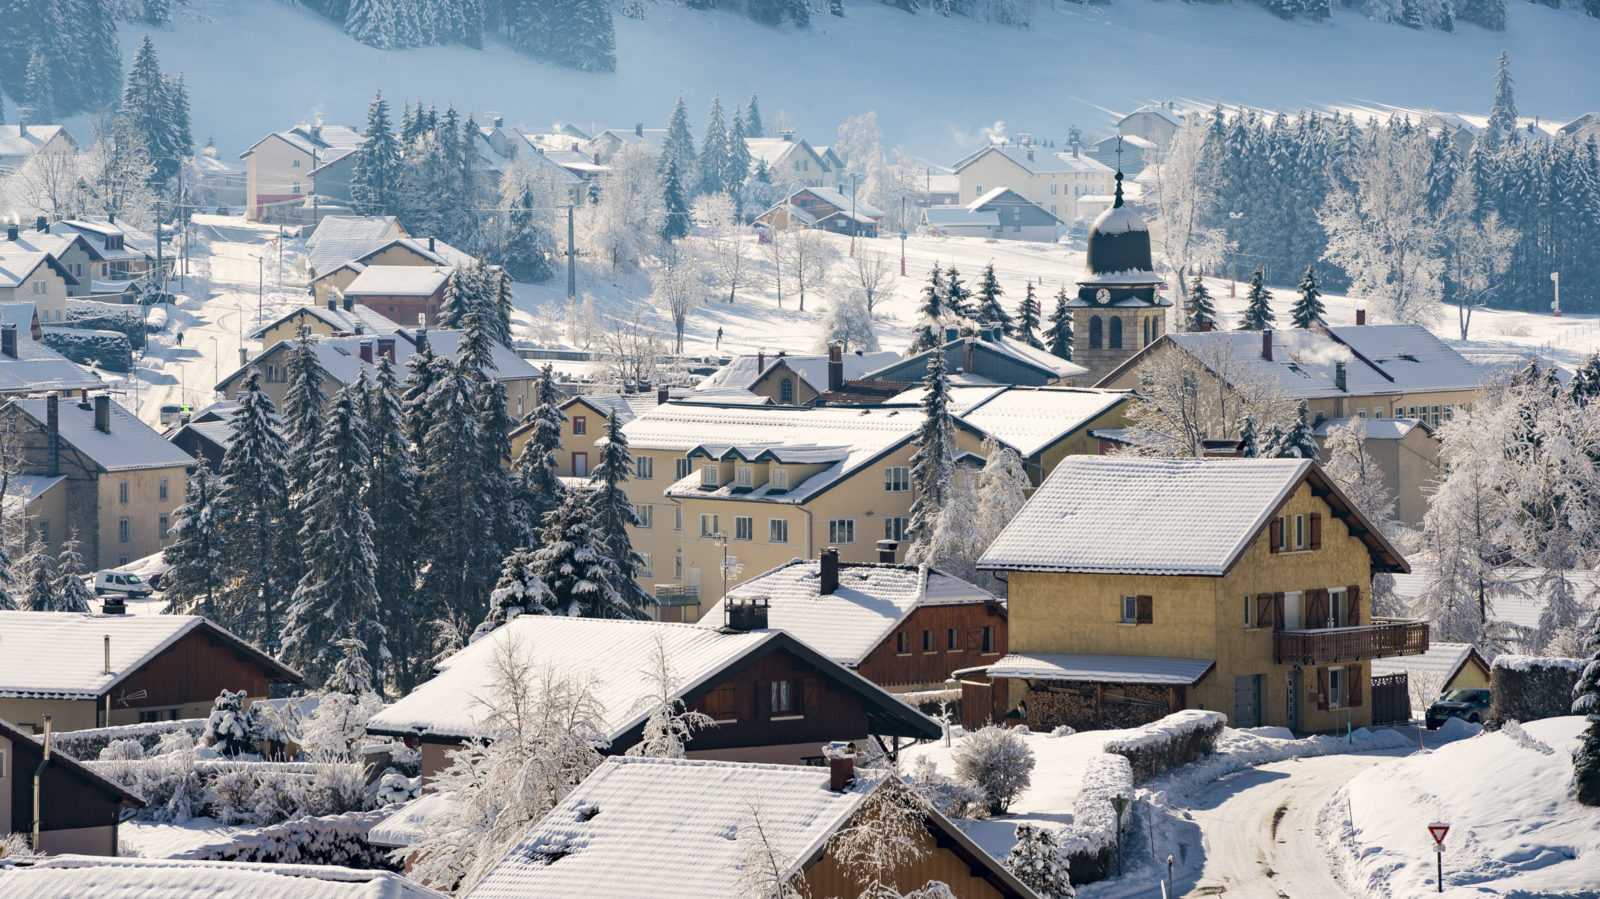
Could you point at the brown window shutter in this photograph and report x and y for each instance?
(1316, 530)
(764, 699)
(1322, 688)
(1144, 606)
(1275, 535)
(1315, 614)
(1264, 616)
(810, 695)
(1353, 675)
(1277, 611)
(1352, 605)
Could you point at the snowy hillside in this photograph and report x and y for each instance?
(936, 83)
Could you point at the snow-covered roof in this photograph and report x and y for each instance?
(869, 603)
(1108, 669)
(61, 655)
(840, 200)
(329, 254)
(47, 241)
(653, 138)
(340, 357)
(369, 228)
(14, 143)
(129, 445)
(669, 828)
(17, 264)
(398, 280)
(339, 318)
(959, 216)
(1169, 113)
(1514, 595)
(772, 150)
(744, 371)
(410, 822)
(1042, 361)
(1040, 161)
(313, 138)
(136, 242)
(162, 878)
(1440, 662)
(66, 760)
(1144, 515)
(857, 435)
(22, 489)
(1377, 428)
(38, 368)
(1031, 419)
(1411, 356)
(1122, 219)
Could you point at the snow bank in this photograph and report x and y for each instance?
(1236, 750)
(326, 840)
(1175, 740)
(1515, 829)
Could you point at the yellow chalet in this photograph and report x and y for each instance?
(1139, 586)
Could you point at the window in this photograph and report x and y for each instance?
(677, 567)
(708, 525)
(1094, 332)
(988, 639)
(1249, 612)
(122, 491)
(297, 187)
(1338, 609)
(780, 479)
(1130, 609)
(744, 528)
(161, 489)
(44, 532)
(647, 564)
(580, 465)
(777, 530)
(842, 531)
(296, 163)
(953, 640)
(927, 641)
(122, 530)
(897, 479)
(902, 646)
(2, 764)
(1299, 532)
(743, 477)
(784, 698)
(161, 526)
(708, 475)
(895, 528)
(644, 468)
(1116, 333)
(122, 560)
(681, 468)
(786, 392)
(647, 516)
(1335, 688)
(580, 425)
(677, 518)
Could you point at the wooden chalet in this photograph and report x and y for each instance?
(78, 809)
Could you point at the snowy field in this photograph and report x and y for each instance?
(1514, 826)
(258, 65)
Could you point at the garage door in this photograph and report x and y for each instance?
(1247, 701)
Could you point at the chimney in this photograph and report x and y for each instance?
(386, 347)
(1339, 375)
(244, 356)
(841, 765)
(886, 551)
(1205, 324)
(41, 224)
(107, 638)
(430, 245)
(835, 367)
(1074, 149)
(349, 303)
(828, 571)
(37, 775)
(499, 121)
(333, 303)
(361, 328)
(788, 135)
(1361, 316)
(596, 157)
(1266, 344)
(745, 613)
(111, 218)
(638, 129)
(1030, 154)
(574, 146)
(8, 340)
(761, 361)
(952, 334)
(11, 231)
(661, 396)
(52, 424)
(366, 351)
(102, 413)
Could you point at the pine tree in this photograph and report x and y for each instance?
(391, 501)
(458, 562)
(614, 514)
(38, 90)
(519, 591)
(146, 107)
(1296, 442)
(957, 298)
(536, 466)
(1258, 306)
(1059, 336)
(1038, 860)
(304, 403)
(197, 551)
(71, 594)
(422, 369)
(677, 172)
(989, 311)
(39, 580)
(1249, 439)
(930, 320)
(463, 294)
(337, 598)
(8, 603)
(1308, 309)
(255, 520)
(752, 118)
(497, 491)
(739, 162)
(1028, 320)
(676, 223)
(587, 38)
(375, 172)
(575, 563)
(716, 161)
(1586, 701)
(1503, 110)
(178, 119)
(933, 464)
(1198, 308)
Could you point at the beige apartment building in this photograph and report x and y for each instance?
(1055, 180)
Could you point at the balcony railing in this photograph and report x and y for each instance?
(1345, 644)
(677, 595)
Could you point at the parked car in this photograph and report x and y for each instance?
(155, 577)
(1467, 703)
(120, 582)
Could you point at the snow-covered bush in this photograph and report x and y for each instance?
(1175, 740)
(952, 798)
(167, 779)
(996, 761)
(88, 744)
(16, 847)
(121, 751)
(226, 730)
(1037, 861)
(132, 321)
(394, 788)
(1090, 843)
(1527, 688)
(336, 727)
(321, 840)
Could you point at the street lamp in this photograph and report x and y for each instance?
(855, 228)
(216, 354)
(1555, 305)
(1119, 802)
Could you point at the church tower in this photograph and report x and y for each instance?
(1117, 311)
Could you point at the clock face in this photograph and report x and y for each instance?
(1102, 295)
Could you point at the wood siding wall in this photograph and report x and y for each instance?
(827, 712)
(68, 800)
(886, 667)
(828, 878)
(195, 669)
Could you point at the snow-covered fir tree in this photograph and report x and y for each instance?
(149, 109)
(1586, 702)
(739, 161)
(1308, 309)
(496, 488)
(536, 466)
(527, 241)
(1027, 329)
(304, 402)
(575, 562)
(197, 553)
(752, 118)
(716, 159)
(256, 522)
(72, 595)
(614, 514)
(957, 297)
(375, 171)
(1295, 441)
(1037, 859)
(458, 562)
(929, 331)
(422, 370)
(1003, 487)
(337, 598)
(519, 591)
(39, 580)
(990, 312)
(391, 502)
(1258, 306)
(1503, 109)
(1199, 310)
(933, 464)
(678, 172)
(464, 293)
(38, 89)
(226, 730)
(1059, 337)
(8, 582)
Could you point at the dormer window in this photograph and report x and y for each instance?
(708, 476)
(780, 479)
(742, 476)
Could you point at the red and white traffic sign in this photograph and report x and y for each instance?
(1438, 831)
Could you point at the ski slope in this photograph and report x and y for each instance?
(938, 85)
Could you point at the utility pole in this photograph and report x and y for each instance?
(280, 257)
(855, 228)
(161, 270)
(572, 260)
(261, 286)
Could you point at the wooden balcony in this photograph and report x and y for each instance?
(1324, 646)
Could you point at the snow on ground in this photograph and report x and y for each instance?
(258, 65)
(1514, 826)
(148, 839)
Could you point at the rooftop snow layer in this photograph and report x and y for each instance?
(159, 878)
(670, 827)
(1377, 428)
(745, 370)
(398, 280)
(868, 605)
(14, 143)
(130, 445)
(1438, 662)
(1041, 161)
(340, 318)
(1140, 515)
(1031, 419)
(1108, 669)
(370, 228)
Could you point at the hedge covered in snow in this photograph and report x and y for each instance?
(1528, 688)
(88, 744)
(108, 350)
(323, 840)
(177, 786)
(133, 321)
(1177, 739)
(1090, 843)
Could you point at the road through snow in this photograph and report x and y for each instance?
(1259, 828)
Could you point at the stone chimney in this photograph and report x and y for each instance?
(835, 367)
(349, 303)
(1339, 376)
(8, 341)
(41, 224)
(366, 351)
(1266, 344)
(745, 613)
(828, 571)
(430, 245)
(841, 765)
(102, 414)
(1361, 316)
(886, 551)
(11, 231)
(761, 361)
(333, 303)
(638, 129)
(661, 396)
(386, 347)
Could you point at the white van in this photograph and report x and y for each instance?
(120, 582)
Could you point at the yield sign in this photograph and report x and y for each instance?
(1438, 831)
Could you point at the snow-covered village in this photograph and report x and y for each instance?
(799, 449)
